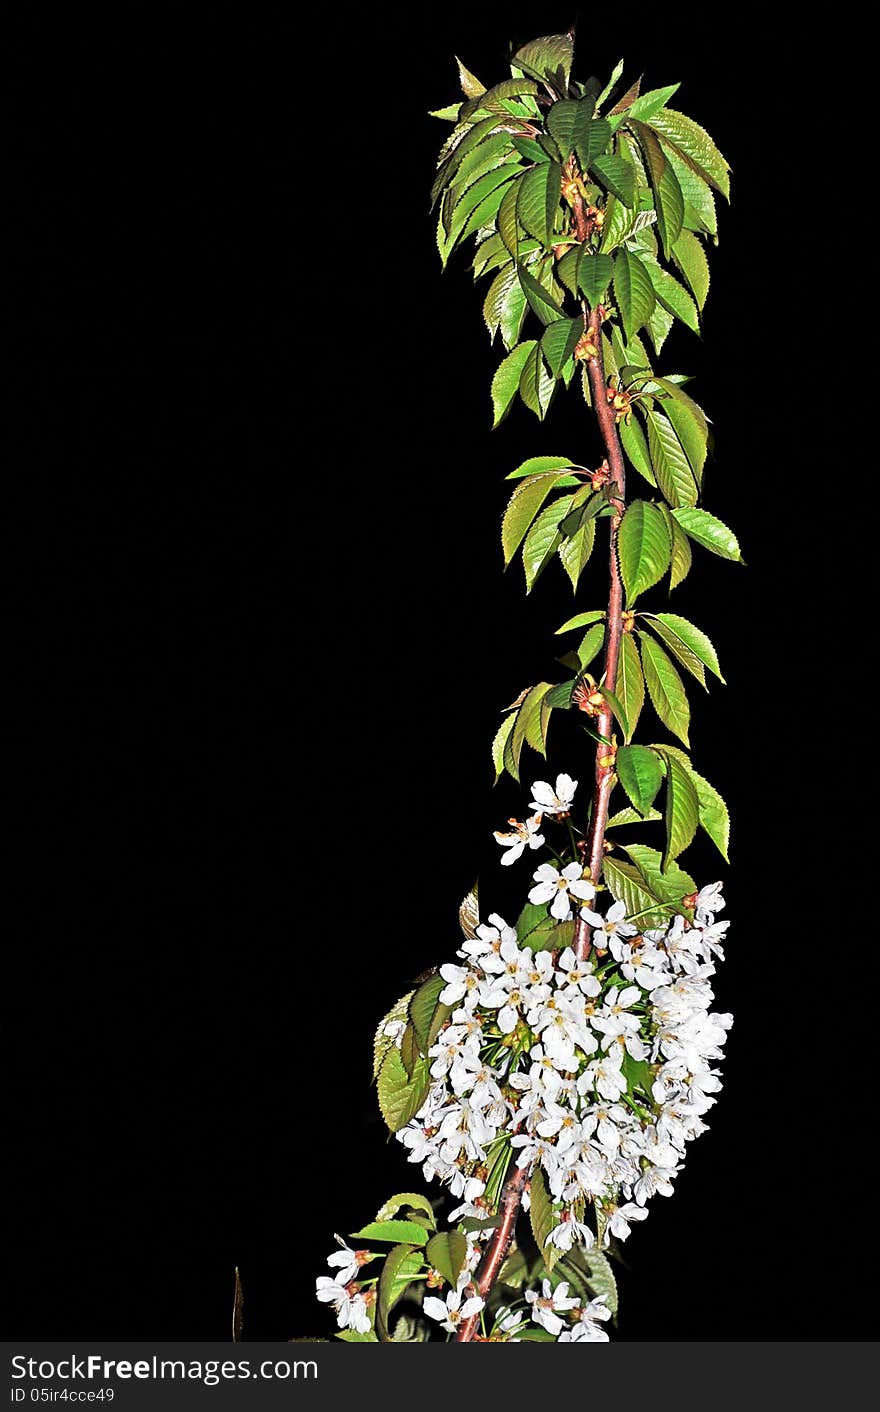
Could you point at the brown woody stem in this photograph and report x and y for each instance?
(490, 1265)
(511, 1196)
(604, 769)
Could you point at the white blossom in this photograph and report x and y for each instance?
(547, 800)
(524, 834)
(586, 1329)
(549, 1304)
(348, 1261)
(451, 1312)
(558, 888)
(619, 1218)
(612, 925)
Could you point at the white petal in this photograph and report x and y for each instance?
(471, 1306)
(560, 908)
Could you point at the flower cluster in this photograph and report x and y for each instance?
(566, 1317)
(591, 1074)
(599, 1071)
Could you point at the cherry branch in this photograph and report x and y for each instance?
(490, 1265)
(512, 1193)
(604, 767)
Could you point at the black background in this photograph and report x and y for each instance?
(259, 637)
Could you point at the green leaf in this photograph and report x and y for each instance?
(539, 300)
(627, 885)
(691, 428)
(650, 103)
(696, 146)
(558, 342)
(494, 306)
(665, 689)
(632, 290)
(543, 1219)
(471, 139)
(536, 386)
(409, 1232)
(409, 1050)
(500, 742)
(401, 1096)
(543, 539)
(699, 644)
(536, 464)
(659, 326)
(447, 1252)
(632, 439)
(630, 683)
(505, 383)
(575, 550)
(567, 120)
(606, 91)
(679, 649)
(639, 1075)
(494, 152)
(699, 203)
(482, 215)
(712, 533)
(632, 816)
(531, 916)
(383, 1042)
(668, 195)
(602, 1281)
(643, 548)
(594, 274)
(528, 721)
(590, 644)
(538, 200)
(495, 98)
(682, 810)
(470, 86)
(551, 935)
(641, 774)
(582, 620)
(620, 222)
(688, 419)
(592, 140)
(671, 467)
(427, 1014)
(671, 294)
(508, 225)
(498, 1152)
(548, 59)
(530, 149)
(352, 1336)
(714, 814)
(412, 1200)
(525, 502)
(513, 310)
(489, 255)
(448, 114)
(681, 552)
(671, 884)
(466, 202)
(617, 175)
(616, 707)
(401, 1266)
(566, 269)
(690, 257)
